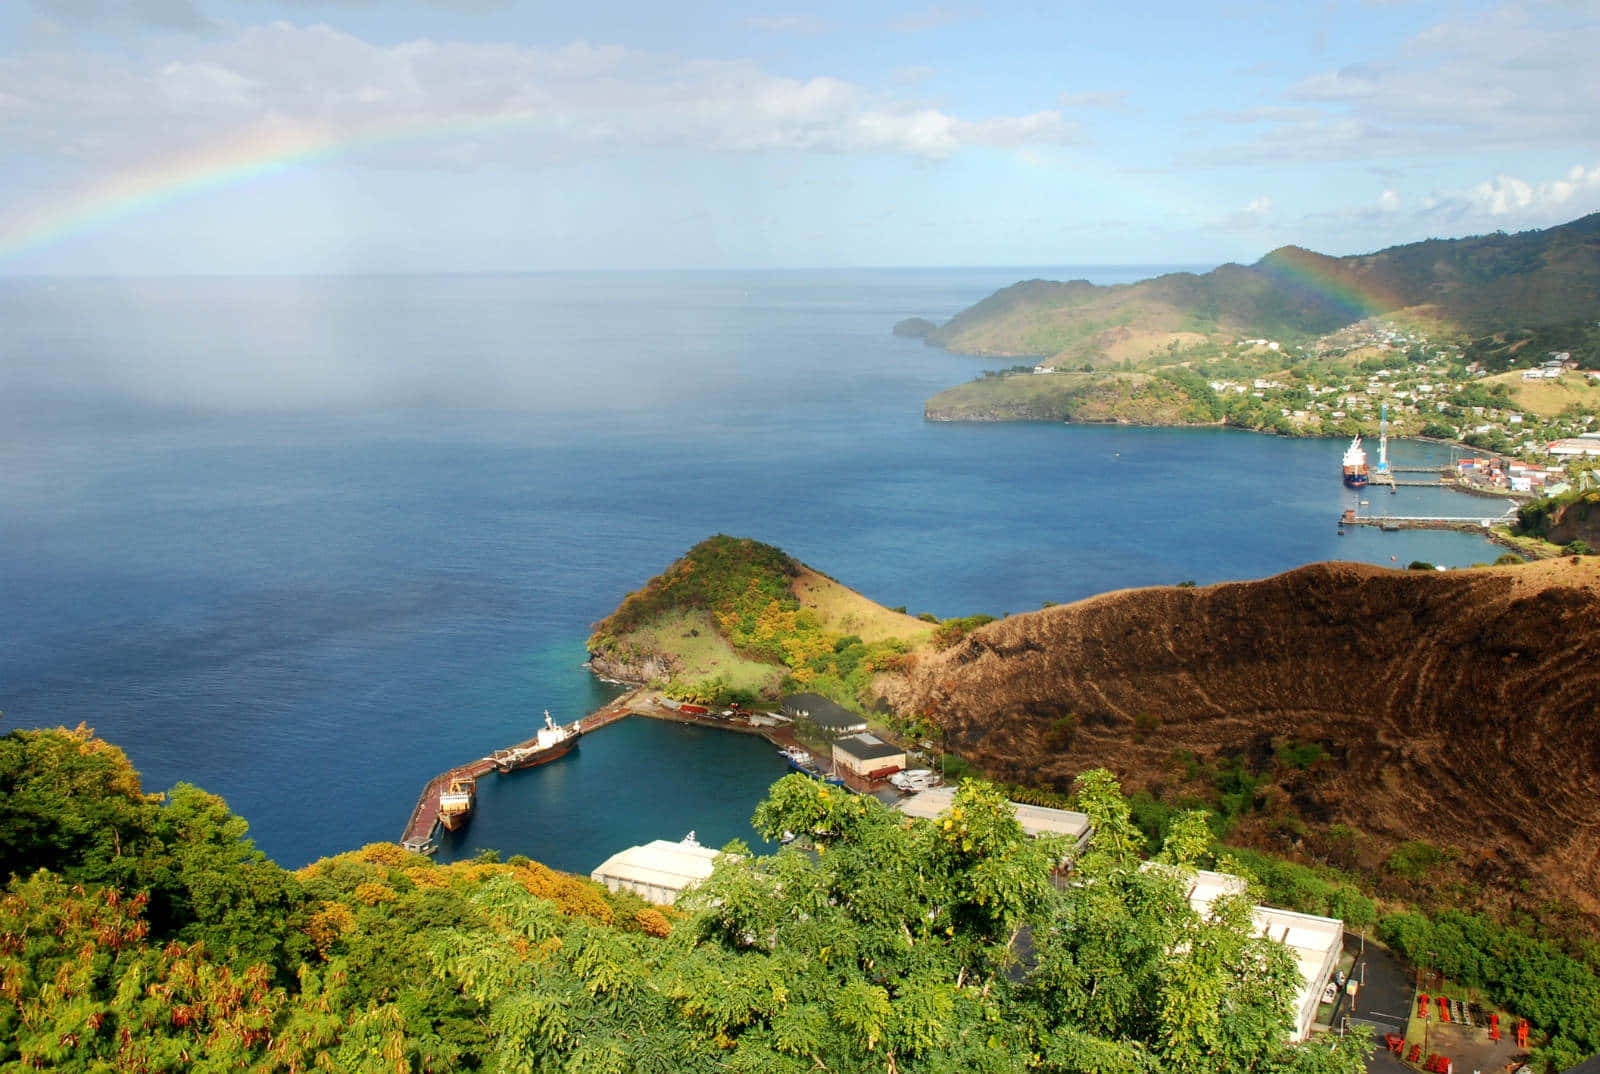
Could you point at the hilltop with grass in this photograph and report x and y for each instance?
(735, 620)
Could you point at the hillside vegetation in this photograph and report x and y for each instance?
(143, 936)
(738, 620)
(1475, 285)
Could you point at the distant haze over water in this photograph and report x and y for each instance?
(307, 542)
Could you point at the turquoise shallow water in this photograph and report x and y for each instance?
(308, 542)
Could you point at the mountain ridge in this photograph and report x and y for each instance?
(1473, 284)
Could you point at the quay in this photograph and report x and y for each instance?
(421, 831)
(1418, 522)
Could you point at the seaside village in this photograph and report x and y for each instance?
(1344, 982)
(1535, 448)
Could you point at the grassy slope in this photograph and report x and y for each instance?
(701, 652)
(844, 611)
(1547, 398)
(748, 617)
(1476, 284)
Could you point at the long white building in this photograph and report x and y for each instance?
(658, 871)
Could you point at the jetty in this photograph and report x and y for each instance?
(1481, 524)
(1419, 522)
(422, 830)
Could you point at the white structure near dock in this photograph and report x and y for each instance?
(1035, 820)
(658, 871)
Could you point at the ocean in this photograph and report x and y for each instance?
(306, 542)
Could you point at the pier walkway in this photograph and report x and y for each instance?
(422, 828)
(1421, 522)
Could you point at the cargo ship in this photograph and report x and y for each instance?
(554, 740)
(455, 804)
(1355, 464)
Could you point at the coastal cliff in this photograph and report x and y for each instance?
(1453, 710)
(1337, 713)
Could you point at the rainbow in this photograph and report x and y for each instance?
(243, 157)
(1329, 280)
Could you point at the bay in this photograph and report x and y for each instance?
(307, 542)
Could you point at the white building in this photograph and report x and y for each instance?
(868, 756)
(658, 871)
(1035, 820)
(1314, 941)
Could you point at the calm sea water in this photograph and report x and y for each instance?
(307, 542)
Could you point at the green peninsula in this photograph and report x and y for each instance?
(736, 620)
(1262, 346)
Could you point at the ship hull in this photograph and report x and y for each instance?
(537, 757)
(1355, 481)
(454, 822)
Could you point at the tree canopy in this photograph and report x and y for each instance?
(144, 933)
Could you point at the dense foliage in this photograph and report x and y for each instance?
(1532, 977)
(1535, 519)
(890, 945)
(736, 579)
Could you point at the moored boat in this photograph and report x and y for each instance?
(455, 804)
(553, 740)
(1355, 464)
(914, 779)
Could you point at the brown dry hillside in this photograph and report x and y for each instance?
(1463, 704)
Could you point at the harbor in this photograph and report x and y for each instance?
(428, 815)
(447, 801)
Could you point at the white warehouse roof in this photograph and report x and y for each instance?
(1035, 820)
(657, 871)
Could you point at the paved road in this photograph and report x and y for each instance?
(1383, 1002)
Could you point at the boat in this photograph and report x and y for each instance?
(799, 759)
(553, 740)
(1355, 464)
(914, 779)
(455, 804)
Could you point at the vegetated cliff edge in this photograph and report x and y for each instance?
(1458, 708)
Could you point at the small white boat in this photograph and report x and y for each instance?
(914, 779)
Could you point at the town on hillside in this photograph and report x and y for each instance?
(1534, 420)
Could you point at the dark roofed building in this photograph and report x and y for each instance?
(829, 717)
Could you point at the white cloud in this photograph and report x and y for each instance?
(1514, 202)
(786, 24)
(910, 76)
(180, 15)
(116, 111)
(1504, 202)
(1109, 100)
(1257, 214)
(1514, 78)
(931, 18)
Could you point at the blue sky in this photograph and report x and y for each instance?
(201, 136)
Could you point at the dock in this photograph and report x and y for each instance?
(422, 829)
(1471, 523)
(1420, 522)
